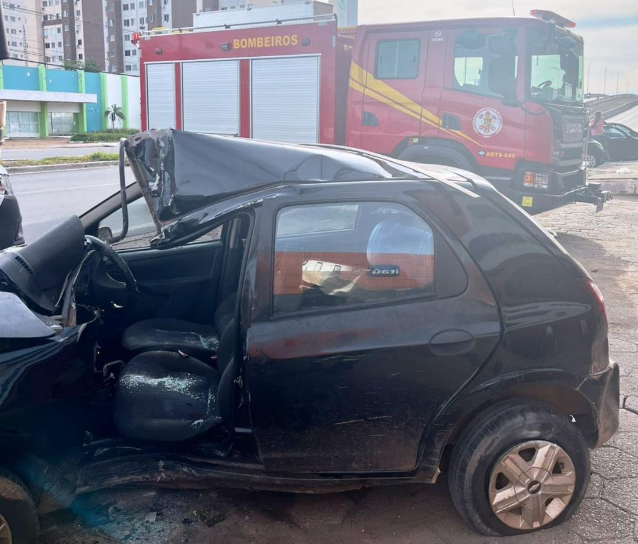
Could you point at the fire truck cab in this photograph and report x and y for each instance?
(502, 97)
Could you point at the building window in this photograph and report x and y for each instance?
(151, 18)
(46, 33)
(47, 45)
(132, 22)
(60, 45)
(62, 123)
(167, 18)
(111, 8)
(114, 69)
(112, 38)
(47, 59)
(142, 20)
(59, 29)
(127, 53)
(134, 52)
(67, 42)
(13, 31)
(23, 123)
(13, 19)
(126, 22)
(128, 68)
(45, 4)
(80, 56)
(397, 59)
(142, 4)
(110, 22)
(65, 13)
(79, 43)
(66, 28)
(125, 7)
(77, 12)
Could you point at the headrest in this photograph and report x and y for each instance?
(392, 237)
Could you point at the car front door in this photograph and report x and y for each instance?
(366, 318)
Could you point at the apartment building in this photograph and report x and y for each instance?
(24, 36)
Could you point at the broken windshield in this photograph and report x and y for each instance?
(557, 66)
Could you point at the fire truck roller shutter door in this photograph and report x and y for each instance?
(210, 91)
(285, 99)
(160, 92)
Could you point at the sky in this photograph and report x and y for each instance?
(609, 27)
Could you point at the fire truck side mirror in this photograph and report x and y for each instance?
(4, 50)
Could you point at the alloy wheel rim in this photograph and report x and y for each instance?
(531, 484)
(5, 531)
(591, 160)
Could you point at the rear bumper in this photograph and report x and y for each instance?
(602, 390)
(10, 222)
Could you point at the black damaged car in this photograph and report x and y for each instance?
(304, 319)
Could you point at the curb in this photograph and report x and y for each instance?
(620, 187)
(56, 167)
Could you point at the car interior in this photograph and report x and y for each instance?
(161, 324)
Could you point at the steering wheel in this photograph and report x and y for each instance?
(545, 84)
(109, 254)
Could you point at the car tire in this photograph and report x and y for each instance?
(592, 160)
(493, 443)
(17, 511)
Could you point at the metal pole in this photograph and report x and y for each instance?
(617, 80)
(513, 9)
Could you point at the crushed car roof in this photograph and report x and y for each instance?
(180, 172)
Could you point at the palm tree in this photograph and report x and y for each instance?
(114, 113)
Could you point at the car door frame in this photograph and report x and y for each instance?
(257, 314)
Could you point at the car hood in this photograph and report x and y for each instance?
(180, 172)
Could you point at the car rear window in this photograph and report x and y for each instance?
(332, 255)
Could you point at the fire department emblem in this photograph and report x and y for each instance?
(488, 122)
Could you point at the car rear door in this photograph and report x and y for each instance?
(366, 318)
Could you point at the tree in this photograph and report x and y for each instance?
(91, 66)
(73, 65)
(114, 113)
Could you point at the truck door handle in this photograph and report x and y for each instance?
(369, 119)
(452, 342)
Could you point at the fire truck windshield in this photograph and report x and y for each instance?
(557, 67)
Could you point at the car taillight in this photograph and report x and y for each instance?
(594, 291)
(600, 346)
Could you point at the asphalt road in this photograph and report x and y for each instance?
(629, 118)
(49, 197)
(66, 151)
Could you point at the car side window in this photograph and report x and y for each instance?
(141, 227)
(397, 59)
(334, 255)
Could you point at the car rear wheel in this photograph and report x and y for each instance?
(18, 515)
(518, 468)
(592, 160)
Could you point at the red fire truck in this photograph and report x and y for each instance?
(502, 97)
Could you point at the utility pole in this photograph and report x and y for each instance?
(617, 79)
